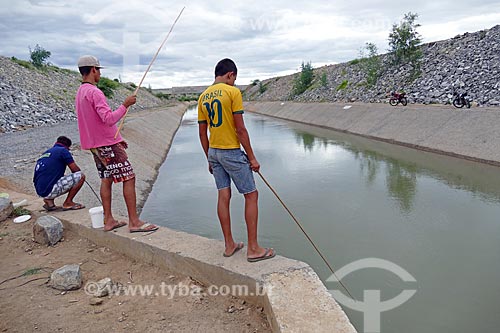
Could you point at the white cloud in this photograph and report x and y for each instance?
(265, 38)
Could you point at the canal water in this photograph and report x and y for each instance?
(436, 217)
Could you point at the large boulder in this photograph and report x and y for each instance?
(47, 230)
(6, 208)
(68, 277)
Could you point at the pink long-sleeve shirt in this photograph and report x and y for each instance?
(96, 120)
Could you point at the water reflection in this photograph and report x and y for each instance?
(400, 177)
(306, 140)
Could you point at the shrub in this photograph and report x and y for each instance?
(255, 82)
(107, 86)
(404, 40)
(39, 56)
(370, 63)
(324, 80)
(262, 88)
(304, 80)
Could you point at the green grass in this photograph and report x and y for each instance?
(187, 98)
(24, 63)
(343, 85)
(32, 271)
(4, 234)
(18, 211)
(162, 95)
(62, 70)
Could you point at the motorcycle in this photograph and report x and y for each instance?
(398, 98)
(460, 100)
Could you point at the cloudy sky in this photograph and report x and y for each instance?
(265, 38)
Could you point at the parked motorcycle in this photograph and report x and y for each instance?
(460, 100)
(398, 98)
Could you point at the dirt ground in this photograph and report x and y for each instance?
(29, 304)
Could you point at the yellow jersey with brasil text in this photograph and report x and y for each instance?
(216, 107)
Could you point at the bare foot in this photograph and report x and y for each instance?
(72, 206)
(49, 205)
(230, 251)
(113, 224)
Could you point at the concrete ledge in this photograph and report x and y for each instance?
(292, 295)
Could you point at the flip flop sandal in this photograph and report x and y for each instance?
(50, 208)
(144, 228)
(263, 257)
(76, 206)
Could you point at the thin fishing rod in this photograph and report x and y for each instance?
(305, 233)
(149, 67)
(94, 192)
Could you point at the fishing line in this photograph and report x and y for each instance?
(305, 233)
(94, 192)
(149, 67)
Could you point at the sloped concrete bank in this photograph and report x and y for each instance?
(472, 134)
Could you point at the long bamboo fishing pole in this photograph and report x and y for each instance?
(305, 233)
(149, 67)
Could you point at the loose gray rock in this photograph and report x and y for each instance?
(68, 277)
(103, 287)
(95, 301)
(6, 208)
(47, 230)
(466, 63)
(34, 98)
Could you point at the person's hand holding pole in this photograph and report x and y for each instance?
(129, 101)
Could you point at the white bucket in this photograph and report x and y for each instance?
(97, 217)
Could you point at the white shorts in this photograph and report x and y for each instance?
(64, 184)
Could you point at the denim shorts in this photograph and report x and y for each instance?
(231, 164)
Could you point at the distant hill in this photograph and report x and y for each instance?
(187, 91)
(468, 62)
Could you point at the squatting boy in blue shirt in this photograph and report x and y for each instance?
(50, 181)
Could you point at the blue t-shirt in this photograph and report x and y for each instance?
(50, 168)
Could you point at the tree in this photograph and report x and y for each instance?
(324, 80)
(370, 63)
(262, 88)
(305, 78)
(39, 56)
(404, 41)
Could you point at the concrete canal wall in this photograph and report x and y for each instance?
(473, 134)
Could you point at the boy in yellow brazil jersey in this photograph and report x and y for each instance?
(220, 111)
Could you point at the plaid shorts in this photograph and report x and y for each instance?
(64, 184)
(112, 162)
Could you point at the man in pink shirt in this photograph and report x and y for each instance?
(97, 127)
